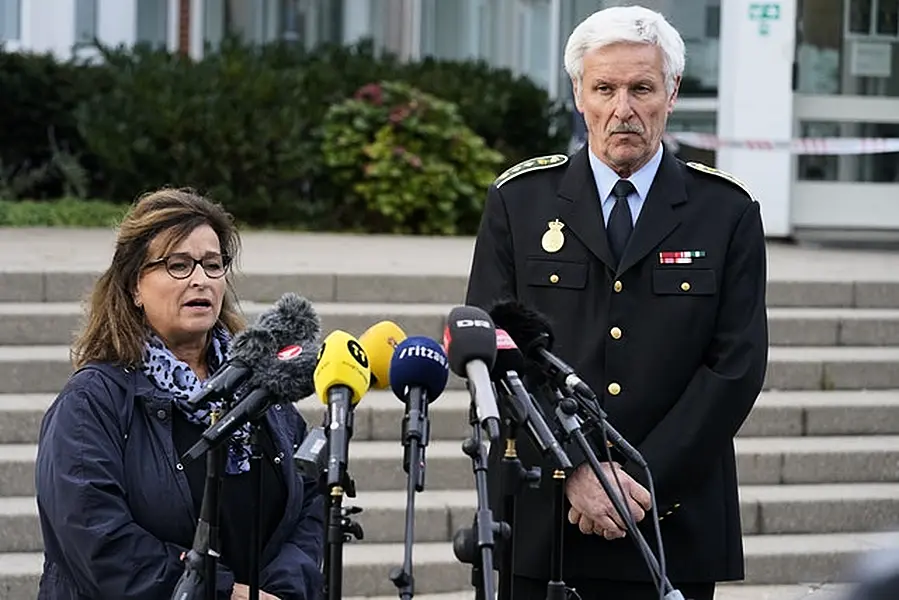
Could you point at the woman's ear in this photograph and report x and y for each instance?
(135, 295)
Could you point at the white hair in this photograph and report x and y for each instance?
(622, 24)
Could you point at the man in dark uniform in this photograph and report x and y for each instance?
(653, 274)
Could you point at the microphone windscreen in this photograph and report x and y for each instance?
(508, 356)
(529, 328)
(289, 376)
(380, 340)
(292, 320)
(341, 361)
(252, 346)
(469, 335)
(419, 362)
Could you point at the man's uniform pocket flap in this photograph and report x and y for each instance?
(556, 273)
(684, 282)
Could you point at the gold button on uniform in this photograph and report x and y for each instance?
(618, 286)
(685, 286)
(615, 332)
(554, 278)
(614, 389)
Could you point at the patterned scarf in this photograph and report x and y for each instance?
(174, 376)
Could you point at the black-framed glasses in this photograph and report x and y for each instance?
(182, 266)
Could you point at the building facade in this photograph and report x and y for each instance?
(766, 80)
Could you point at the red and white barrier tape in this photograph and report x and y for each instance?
(808, 146)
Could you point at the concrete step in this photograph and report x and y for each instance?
(25, 324)
(770, 560)
(377, 466)
(440, 286)
(723, 592)
(766, 509)
(44, 369)
(833, 327)
(777, 413)
(379, 416)
(32, 324)
(832, 368)
(835, 459)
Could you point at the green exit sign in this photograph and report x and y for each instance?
(764, 13)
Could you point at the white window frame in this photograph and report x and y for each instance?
(18, 43)
(555, 47)
(470, 37)
(197, 27)
(171, 23)
(80, 5)
(872, 34)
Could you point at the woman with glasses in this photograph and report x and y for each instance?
(117, 507)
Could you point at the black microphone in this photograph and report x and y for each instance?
(470, 341)
(526, 413)
(292, 318)
(532, 331)
(285, 378)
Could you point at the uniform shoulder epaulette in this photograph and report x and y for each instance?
(722, 174)
(531, 164)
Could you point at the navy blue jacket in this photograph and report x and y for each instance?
(111, 491)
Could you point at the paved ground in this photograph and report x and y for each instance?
(278, 252)
(75, 250)
(724, 592)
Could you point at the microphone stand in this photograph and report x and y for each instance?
(566, 413)
(474, 545)
(527, 412)
(340, 527)
(214, 448)
(201, 562)
(514, 476)
(555, 588)
(255, 509)
(416, 429)
(250, 409)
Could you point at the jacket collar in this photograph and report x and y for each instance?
(579, 206)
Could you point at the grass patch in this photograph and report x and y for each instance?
(65, 212)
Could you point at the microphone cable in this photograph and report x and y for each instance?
(659, 580)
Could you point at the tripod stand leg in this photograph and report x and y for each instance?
(477, 582)
(511, 467)
(255, 510)
(555, 589)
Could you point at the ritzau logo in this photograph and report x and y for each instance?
(424, 352)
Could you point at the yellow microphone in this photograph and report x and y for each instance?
(379, 342)
(343, 368)
(342, 376)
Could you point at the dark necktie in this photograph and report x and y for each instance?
(620, 224)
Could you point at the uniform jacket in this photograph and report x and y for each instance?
(110, 494)
(676, 352)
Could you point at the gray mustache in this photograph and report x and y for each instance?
(627, 128)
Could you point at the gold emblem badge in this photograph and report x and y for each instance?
(553, 239)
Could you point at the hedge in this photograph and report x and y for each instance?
(247, 124)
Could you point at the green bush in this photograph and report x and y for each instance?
(241, 124)
(226, 124)
(66, 212)
(244, 124)
(512, 113)
(41, 150)
(410, 160)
